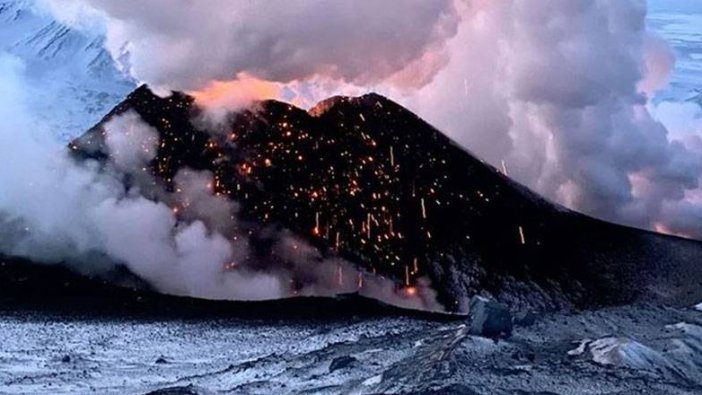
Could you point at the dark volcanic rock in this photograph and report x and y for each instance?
(56, 291)
(489, 318)
(524, 318)
(368, 180)
(341, 363)
(452, 389)
(187, 390)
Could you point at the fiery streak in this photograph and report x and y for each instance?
(424, 209)
(368, 226)
(521, 235)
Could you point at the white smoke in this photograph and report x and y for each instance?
(185, 44)
(557, 90)
(53, 209)
(194, 199)
(684, 121)
(313, 273)
(132, 143)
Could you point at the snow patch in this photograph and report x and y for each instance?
(73, 80)
(621, 351)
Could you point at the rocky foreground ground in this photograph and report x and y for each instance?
(623, 350)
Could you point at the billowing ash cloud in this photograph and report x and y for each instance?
(185, 44)
(556, 90)
(54, 209)
(132, 143)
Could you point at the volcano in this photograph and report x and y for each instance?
(366, 180)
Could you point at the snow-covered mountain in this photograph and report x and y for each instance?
(679, 23)
(73, 79)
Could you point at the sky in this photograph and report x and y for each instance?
(675, 6)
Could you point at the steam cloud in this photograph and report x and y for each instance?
(357, 41)
(53, 209)
(557, 90)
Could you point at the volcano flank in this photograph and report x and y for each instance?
(366, 180)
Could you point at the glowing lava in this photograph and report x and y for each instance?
(236, 93)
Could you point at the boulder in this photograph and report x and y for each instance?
(489, 318)
(524, 318)
(341, 363)
(185, 390)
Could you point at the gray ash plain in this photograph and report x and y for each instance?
(59, 354)
(136, 342)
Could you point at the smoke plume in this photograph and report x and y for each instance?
(559, 91)
(356, 41)
(556, 90)
(54, 209)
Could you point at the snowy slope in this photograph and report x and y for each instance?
(681, 26)
(74, 81)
